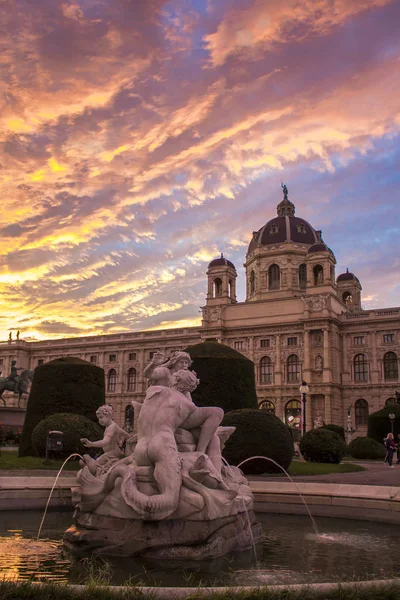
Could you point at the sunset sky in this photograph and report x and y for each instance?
(140, 138)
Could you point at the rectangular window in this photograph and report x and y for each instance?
(388, 338)
(292, 341)
(238, 345)
(265, 343)
(112, 357)
(1, 361)
(40, 361)
(93, 359)
(132, 355)
(359, 340)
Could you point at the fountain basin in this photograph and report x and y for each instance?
(349, 550)
(369, 502)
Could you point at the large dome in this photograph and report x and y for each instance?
(285, 228)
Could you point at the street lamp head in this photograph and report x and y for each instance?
(392, 416)
(304, 389)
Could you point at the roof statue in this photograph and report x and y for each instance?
(285, 191)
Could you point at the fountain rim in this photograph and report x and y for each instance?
(180, 593)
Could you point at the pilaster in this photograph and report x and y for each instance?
(327, 372)
(278, 364)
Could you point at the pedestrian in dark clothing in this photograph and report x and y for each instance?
(390, 448)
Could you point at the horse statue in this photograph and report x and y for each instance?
(21, 384)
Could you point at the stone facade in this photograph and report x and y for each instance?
(298, 322)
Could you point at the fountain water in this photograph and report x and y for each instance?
(295, 484)
(253, 545)
(52, 489)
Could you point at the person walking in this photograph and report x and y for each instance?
(398, 450)
(390, 448)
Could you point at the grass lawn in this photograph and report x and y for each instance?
(9, 461)
(299, 467)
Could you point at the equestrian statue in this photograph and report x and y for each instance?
(15, 383)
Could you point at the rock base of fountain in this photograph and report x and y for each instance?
(168, 539)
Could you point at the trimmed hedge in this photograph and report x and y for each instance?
(258, 433)
(322, 446)
(74, 427)
(336, 429)
(366, 447)
(226, 377)
(379, 423)
(66, 384)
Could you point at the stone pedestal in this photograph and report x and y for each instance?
(170, 539)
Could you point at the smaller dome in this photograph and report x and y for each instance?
(321, 247)
(221, 262)
(347, 276)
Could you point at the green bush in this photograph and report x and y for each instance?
(66, 384)
(336, 429)
(366, 447)
(379, 423)
(74, 427)
(322, 446)
(226, 377)
(258, 433)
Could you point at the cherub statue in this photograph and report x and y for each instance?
(110, 444)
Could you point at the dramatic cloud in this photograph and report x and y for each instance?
(140, 138)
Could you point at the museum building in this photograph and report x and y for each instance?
(298, 322)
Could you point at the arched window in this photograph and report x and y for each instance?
(112, 380)
(268, 406)
(293, 368)
(293, 414)
(274, 277)
(131, 380)
(347, 298)
(231, 288)
(129, 416)
(217, 287)
(265, 370)
(318, 275)
(361, 412)
(390, 366)
(391, 402)
(303, 276)
(360, 368)
(252, 283)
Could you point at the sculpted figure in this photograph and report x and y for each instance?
(110, 444)
(13, 376)
(159, 371)
(164, 410)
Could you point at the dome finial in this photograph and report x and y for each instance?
(285, 208)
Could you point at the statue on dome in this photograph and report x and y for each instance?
(285, 191)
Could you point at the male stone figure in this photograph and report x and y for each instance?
(13, 376)
(160, 371)
(164, 410)
(110, 444)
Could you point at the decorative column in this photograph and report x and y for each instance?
(374, 365)
(141, 380)
(328, 409)
(326, 377)
(345, 375)
(306, 362)
(251, 349)
(278, 365)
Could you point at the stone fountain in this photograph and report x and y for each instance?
(170, 496)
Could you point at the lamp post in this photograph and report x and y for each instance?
(392, 418)
(304, 389)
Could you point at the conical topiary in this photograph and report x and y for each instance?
(64, 385)
(226, 377)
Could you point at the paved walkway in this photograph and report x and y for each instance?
(376, 473)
